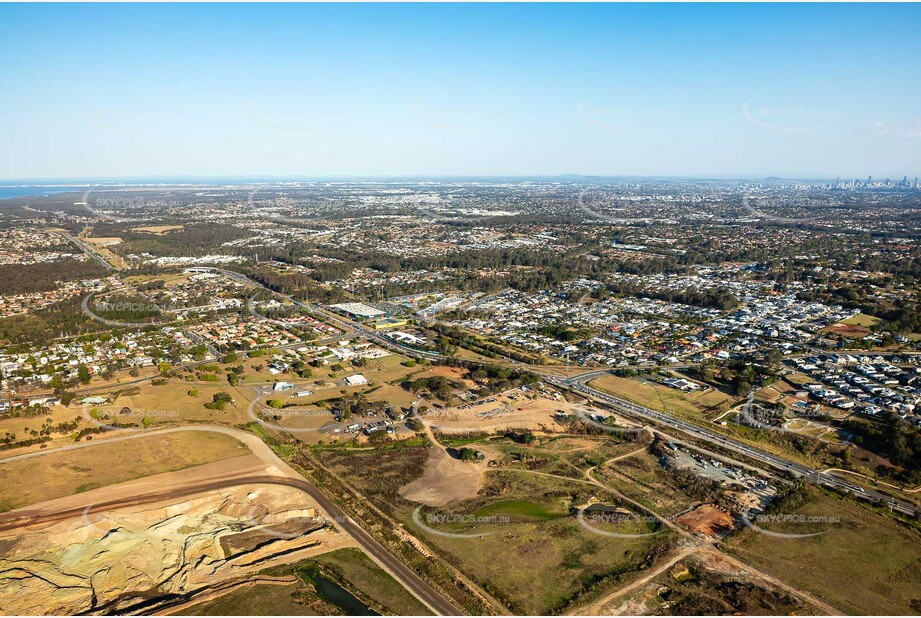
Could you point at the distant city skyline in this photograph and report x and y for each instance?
(811, 92)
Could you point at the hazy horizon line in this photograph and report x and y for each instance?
(141, 179)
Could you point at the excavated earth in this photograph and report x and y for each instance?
(134, 559)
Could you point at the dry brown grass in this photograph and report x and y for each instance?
(33, 480)
(660, 397)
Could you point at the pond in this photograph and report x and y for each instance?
(332, 592)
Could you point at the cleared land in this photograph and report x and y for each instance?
(865, 563)
(106, 560)
(29, 481)
(445, 480)
(163, 405)
(706, 585)
(854, 331)
(862, 319)
(530, 551)
(642, 478)
(101, 246)
(170, 403)
(513, 408)
(157, 230)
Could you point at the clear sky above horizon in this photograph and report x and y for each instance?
(107, 90)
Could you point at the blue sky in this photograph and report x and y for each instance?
(311, 90)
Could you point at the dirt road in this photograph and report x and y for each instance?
(287, 477)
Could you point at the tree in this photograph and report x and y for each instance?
(742, 387)
(83, 373)
(378, 437)
(469, 454)
(219, 401)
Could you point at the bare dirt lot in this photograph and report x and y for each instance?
(707, 519)
(506, 410)
(853, 331)
(452, 373)
(445, 480)
(157, 230)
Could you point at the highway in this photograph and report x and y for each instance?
(89, 251)
(578, 385)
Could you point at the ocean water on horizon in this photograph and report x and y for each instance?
(7, 192)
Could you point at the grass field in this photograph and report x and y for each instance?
(37, 479)
(295, 599)
(349, 568)
(540, 560)
(165, 405)
(862, 319)
(394, 395)
(170, 402)
(660, 397)
(866, 563)
(797, 379)
(101, 246)
(774, 392)
(533, 554)
(521, 510)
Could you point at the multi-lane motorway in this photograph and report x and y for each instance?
(579, 385)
